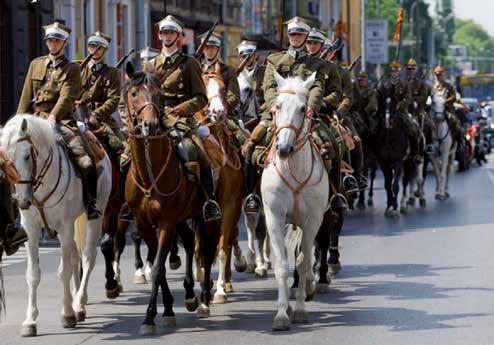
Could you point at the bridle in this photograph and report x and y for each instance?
(134, 113)
(36, 180)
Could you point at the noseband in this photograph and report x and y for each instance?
(299, 141)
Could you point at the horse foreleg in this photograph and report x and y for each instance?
(251, 221)
(33, 276)
(119, 247)
(370, 202)
(322, 247)
(174, 261)
(263, 237)
(139, 276)
(187, 236)
(65, 270)
(240, 263)
(306, 289)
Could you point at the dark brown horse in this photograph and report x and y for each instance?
(162, 199)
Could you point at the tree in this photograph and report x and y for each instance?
(478, 41)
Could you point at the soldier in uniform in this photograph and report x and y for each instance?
(399, 92)
(291, 63)
(211, 63)
(418, 90)
(442, 86)
(368, 101)
(184, 95)
(324, 134)
(345, 116)
(100, 93)
(247, 49)
(50, 90)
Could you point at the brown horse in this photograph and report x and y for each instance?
(162, 199)
(229, 177)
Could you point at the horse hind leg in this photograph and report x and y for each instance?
(263, 237)
(187, 236)
(139, 276)
(65, 270)
(251, 221)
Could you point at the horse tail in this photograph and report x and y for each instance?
(207, 237)
(293, 242)
(80, 226)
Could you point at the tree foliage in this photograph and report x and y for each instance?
(477, 40)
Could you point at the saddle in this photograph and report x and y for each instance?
(7, 167)
(95, 148)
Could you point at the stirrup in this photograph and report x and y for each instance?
(362, 182)
(350, 184)
(252, 204)
(334, 207)
(211, 217)
(430, 150)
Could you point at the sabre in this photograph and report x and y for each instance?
(201, 47)
(122, 60)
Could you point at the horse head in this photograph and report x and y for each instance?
(215, 89)
(143, 101)
(289, 116)
(247, 97)
(438, 101)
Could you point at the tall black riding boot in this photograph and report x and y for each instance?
(90, 192)
(211, 210)
(253, 201)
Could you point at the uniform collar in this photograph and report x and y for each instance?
(171, 57)
(297, 53)
(165, 54)
(96, 66)
(56, 63)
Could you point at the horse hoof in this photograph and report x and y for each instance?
(300, 316)
(446, 195)
(334, 269)
(289, 311)
(322, 288)
(29, 331)
(281, 323)
(69, 321)
(268, 265)
(220, 299)
(191, 304)
(80, 316)
(361, 205)
(228, 288)
(240, 265)
(112, 294)
(261, 273)
(175, 265)
(139, 279)
(168, 321)
(370, 202)
(416, 194)
(203, 311)
(147, 330)
(411, 201)
(395, 214)
(422, 202)
(251, 268)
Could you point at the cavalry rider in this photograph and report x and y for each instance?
(100, 92)
(324, 134)
(12, 235)
(50, 90)
(247, 49)
(345, 116)
(211, 63)
(368, 101)
(418, 90)
(446, 89)
(184, 95)
(399, 93)
(290, 63)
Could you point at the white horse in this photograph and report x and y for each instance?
(50, 194)
(258, 261)
(445, 146)
(294, 190)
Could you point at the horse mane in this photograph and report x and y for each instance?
(146, 78)
(38, 129)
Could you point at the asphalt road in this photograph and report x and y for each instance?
(427, 278)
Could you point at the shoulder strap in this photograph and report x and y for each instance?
(180, 59)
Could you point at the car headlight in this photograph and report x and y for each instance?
(469, 137)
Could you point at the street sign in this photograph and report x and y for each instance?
(458, 52)
(376, 41)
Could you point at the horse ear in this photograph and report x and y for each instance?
(309, 81)
(217, 68)
(429, 101)
(23, 126)
(250, 73)
(279, 79)
(129, 69)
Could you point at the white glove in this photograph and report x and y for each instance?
(81, 126)
(203, 131)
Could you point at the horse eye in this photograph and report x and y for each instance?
(133, 94)
(26, 157)
(302, 109)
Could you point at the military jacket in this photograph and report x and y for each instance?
(181, 81)
(449, 93)
(346, 91)
(419, 95)
(332, 92)
(399, 94)
(292, 63)
(52, 87)
(229, 75)
(100, 90)
(257, 80)
(368, 100)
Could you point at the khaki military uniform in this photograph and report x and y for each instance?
(450, 95)
(182, 84)
(257, 80)
(100, 92)
(229, 76)
(419, 94)
(290, 63)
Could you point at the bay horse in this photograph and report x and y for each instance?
(295, 190)
(50, 195)
(391, 148)
(229, 181)
(162, 199)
